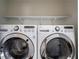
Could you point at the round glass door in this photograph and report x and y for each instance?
(17, 46)
(57, 48)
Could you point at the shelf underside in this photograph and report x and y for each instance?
(36, 17)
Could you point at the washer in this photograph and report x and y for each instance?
(18, 42)
(56, 42)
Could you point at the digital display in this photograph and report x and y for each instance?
(29, 27)
(44, 30)
(68, 27)
(3, 30)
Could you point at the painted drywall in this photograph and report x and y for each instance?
(3, 7)
(35, 8)
(42, 8)
(39, 8)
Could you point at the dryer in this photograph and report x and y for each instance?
(56, 42)
(18, 42)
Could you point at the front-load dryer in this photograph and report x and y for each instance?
(56, 42)
(18, 42)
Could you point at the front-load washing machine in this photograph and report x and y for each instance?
(56, 42)
(18, 42)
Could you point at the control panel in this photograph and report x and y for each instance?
(64, 28)
(16, 28)
(56, 28)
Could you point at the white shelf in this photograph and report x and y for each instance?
(37, 17)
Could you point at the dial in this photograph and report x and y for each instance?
(16, 28)
(57, 28)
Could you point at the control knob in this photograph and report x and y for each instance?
(57, 28)
(16, 28)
